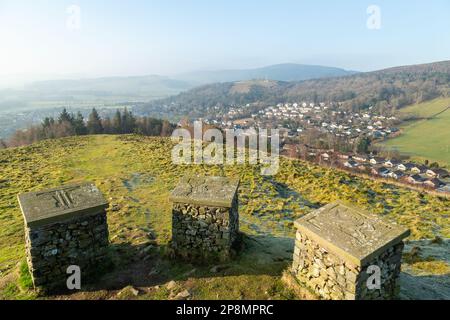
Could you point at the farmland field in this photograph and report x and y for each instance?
(427, 138)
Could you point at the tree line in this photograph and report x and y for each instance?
(69, 124)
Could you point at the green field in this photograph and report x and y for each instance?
(427, 138)
(136, 175)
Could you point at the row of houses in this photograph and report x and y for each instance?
(412, 173)
(329, 118)
(326, 117)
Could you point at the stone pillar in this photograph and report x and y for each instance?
(205, 218)
(345, 253)
(65, 226)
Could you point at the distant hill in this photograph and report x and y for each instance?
(88, 93)
(113, 90)
(385, 89)
(279, 72)
(143, 86)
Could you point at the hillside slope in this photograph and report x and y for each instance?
(47, 93)
(136, 175)
(278, 72)
(428, 136)
(385, 89)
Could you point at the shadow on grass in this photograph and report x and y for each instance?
(136, 266)
(139, 267)
(421, 259)
(429, 287)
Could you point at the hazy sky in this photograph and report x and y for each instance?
(116, 37)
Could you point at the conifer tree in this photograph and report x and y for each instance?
(79, 125)
(94, 123)
(65, 117)
(128, 122)
(117, 122)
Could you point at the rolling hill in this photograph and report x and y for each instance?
(54, 93)
(136, 174)
(387, 89)
(144, 87)
(279, 72)
(88, 93)
(427, 137)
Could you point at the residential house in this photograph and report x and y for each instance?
(344, 156)
(415, 179)
(325, 156)
(377, 160)
(405, 166)
(396, 174)
(419, 169)
(351, 164)
(360, 158)
(382, 172)
(434, 183)
(378, 134)
(437, 173)
(442, 173)
(392, 163)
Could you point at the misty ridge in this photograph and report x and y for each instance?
(199, 94)
(150, 87)
(386, 90)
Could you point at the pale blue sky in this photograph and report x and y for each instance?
(171, 36)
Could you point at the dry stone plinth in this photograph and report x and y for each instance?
(205, 218)
(346, 253)
(64, 227)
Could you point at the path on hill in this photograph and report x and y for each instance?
(423, 119)
(439, 113)
(425, 138)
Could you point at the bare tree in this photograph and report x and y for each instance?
(3, 144)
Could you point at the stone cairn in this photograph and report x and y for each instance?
(64, 227)
(340, 251)
(205, 218)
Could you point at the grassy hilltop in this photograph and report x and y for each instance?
(136, 175)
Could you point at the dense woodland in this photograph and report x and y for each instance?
(69, 124)
(386, 90)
